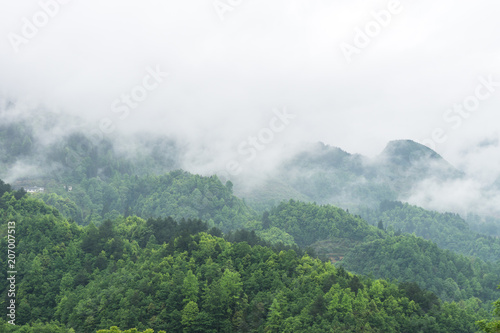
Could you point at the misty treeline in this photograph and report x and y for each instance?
(31, 152)
(57, 153)
(178, 194)
(326, 175)
(60, 150)
(184, 277)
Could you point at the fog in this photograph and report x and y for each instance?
(213, 75)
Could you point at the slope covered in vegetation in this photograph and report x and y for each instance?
(162, 274)
(447, 230)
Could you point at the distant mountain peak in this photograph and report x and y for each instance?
(408, 152)
(412, 160)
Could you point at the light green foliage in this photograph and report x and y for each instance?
(189, 315)
(275, 235)
(190, 287)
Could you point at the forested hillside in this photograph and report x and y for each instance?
(161, 274)
(29, 155)
(447, 230)
(228, 166)
(371, 250)
(330, 175)
(177, 194)
(128, 241)
(309, 223)
(412, 259)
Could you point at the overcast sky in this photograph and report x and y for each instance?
(230, 63)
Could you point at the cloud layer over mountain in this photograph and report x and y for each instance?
(213, 74)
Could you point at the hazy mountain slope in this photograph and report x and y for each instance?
(268, 193)
(178, 194)
(447, 230)
(409, 258)
(404, 163)
(56, 152)
(38, 151)
(328, 174)
(322, 174)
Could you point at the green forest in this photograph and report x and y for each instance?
(231, 166)
(187, 275)
(121, 244)
(447, 230)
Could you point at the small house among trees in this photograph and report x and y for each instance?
(35, 189)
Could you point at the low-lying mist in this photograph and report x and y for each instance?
(264, 166)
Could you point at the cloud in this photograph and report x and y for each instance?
(458, 196)
(225, 77)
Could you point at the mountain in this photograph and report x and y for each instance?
(46, 149)
(314, 172)
(326, 174)
(407, 153)
(358, 246)
(404, 163)
(132, 200)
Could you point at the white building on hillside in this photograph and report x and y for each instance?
(35, 189)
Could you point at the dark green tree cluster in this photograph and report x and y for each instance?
(115, 329)
(4, 188)
(37, 327)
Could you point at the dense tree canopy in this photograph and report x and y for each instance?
(447, 230)
(412, 259)
(183, 277)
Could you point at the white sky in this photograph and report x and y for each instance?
(225, 77)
